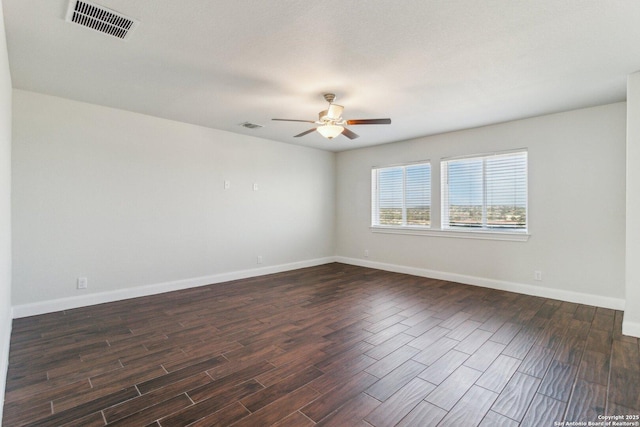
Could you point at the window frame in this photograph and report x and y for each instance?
(375, 198)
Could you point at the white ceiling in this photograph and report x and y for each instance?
(431, 66)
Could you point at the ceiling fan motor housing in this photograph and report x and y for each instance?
(333, 113)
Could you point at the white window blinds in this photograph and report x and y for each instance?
(485, 192)
(401, 196)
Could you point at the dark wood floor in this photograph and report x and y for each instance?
(334, 345)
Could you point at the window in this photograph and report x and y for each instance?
(485, 193)
(401, 196)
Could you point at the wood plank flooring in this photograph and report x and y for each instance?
(334, 345)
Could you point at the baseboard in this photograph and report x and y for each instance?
(630, 328)
(5, 337)
(43, 307)
(552, 293)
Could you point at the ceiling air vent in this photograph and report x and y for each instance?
(100, 19)
(250, 125)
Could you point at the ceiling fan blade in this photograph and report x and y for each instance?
(293, 120)
(305, 132)
(369, 122)
(349, 134)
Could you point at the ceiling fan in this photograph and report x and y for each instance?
(331, 122)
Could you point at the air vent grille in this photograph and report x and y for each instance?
(249, 125)
(100, 19)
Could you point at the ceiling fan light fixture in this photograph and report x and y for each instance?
(331, 123)
(330, 131)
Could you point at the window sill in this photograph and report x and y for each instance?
(458, 234)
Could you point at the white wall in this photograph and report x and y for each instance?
(5, 210)
(576, 209)
(631, 323)
(130, 200)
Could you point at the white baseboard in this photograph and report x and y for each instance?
(43, 307)
(538, 291)
(140, 291)
(630, 328)
(5, 340)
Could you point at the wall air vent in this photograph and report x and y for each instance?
(101, 19)
(250, 125)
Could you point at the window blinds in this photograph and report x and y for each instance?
(485, 192)
(401, 195)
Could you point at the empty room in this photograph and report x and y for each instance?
(342, 213)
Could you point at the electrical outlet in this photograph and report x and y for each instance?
(259, 259)
(255, 186)
(82, 283)
(537, 275)
(366, 253)
(227, 184)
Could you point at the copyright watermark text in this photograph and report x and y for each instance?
(604, 421)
